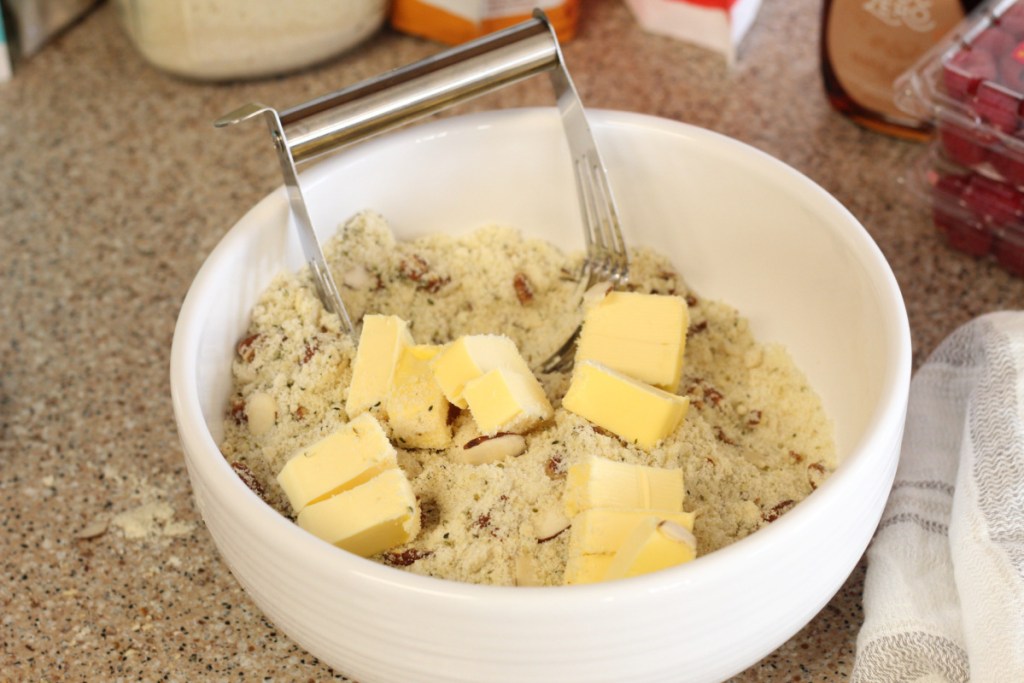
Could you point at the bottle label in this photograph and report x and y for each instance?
(916, 15)
(872, 42)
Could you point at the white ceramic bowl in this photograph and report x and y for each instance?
(742, 227)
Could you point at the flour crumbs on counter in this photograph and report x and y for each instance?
(752, 442)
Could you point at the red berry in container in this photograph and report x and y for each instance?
(1012, 21)
(965, 70)
(1011, 69)
(965, 146)
(998, 106)
(994, 41)
(962, 230)
(1008, 163)
(948, 189)
(961, 233)
(994, 202)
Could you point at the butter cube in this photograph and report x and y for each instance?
(345, 459)
(506, 401)
(604, 530)
(599, 482)
(640, 335)
(653, 545)
(580, 569)
(368, 519)
(471, 356)
(381, 343)
(417, 408)
(637, 412)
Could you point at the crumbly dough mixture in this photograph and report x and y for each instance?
(755, 441)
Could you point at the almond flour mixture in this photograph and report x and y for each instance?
(755, 441)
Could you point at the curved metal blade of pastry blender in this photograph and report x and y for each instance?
(322, 125)
(325, 286)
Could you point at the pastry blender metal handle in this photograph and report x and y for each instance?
(310, 130)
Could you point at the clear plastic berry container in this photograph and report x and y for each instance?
(971, 87)
(975, 212)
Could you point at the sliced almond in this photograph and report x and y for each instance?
(356, 277)
(549, 523)
(595, 293)
(261, 411)
(485, 450)
(526, 571)
(677, 532)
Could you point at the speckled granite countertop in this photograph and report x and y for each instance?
(114, 187)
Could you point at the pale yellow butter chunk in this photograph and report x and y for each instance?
(599, 482)
(506, 401)
(350, 456)
(417, 408)
(653, 545)
(604, 530)
(637, 412)
(369, 519)
(381, 343)
(471, 356)
(640, 335)
(580, 569)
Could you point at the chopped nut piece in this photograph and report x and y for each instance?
(778, 510)
(249, 479)
(237, 411)
(404, 558)
(309, 352)
(245, 348)
(555, 467)
(524, 291)
(723, 437)
(815, 474)
(417, 272)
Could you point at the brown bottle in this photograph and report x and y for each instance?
(867, 44)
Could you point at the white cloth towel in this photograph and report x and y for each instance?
(944, 591)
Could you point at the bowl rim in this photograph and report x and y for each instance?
(202, 453)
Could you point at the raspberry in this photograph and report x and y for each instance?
(992, 201)
(997, 106)
(964, 71)
(1012, 21)
(964, 146)
(1009, 164)
(994, 41)
(961, 233)
(1011, 71)
(949, 189)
